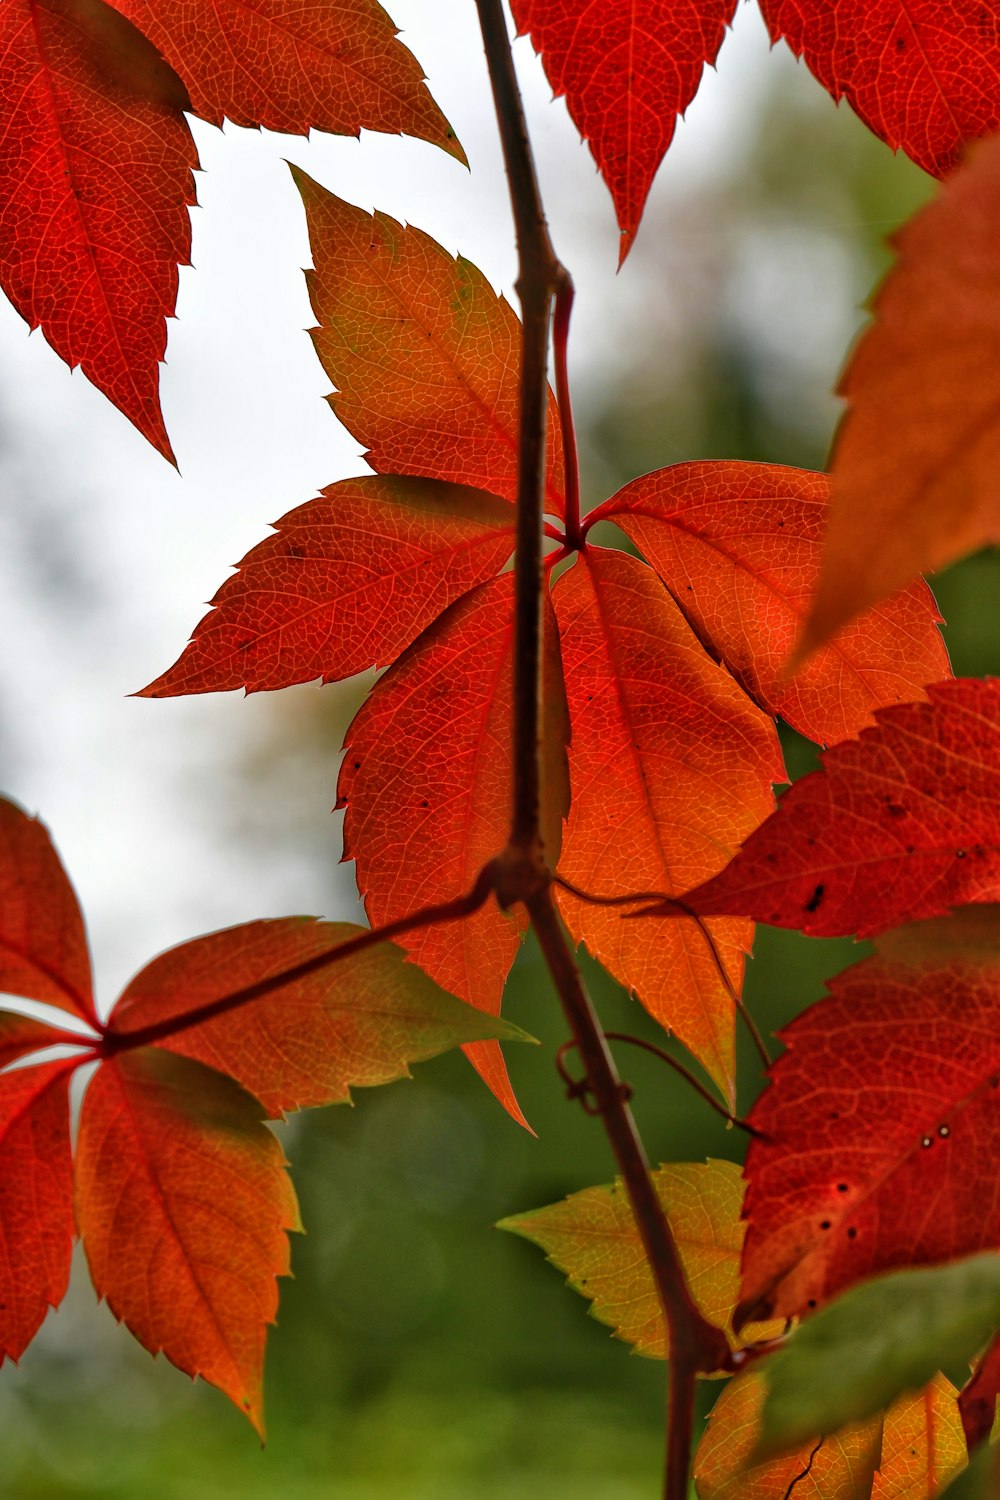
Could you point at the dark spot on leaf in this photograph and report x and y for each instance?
(959, 853)
(944, 1131)
(926, 1141)
(812, 1301)
(296, 551)
(841, 1187)
(825, 1224)
(816, 899)
(852, 1233)
(895, 810)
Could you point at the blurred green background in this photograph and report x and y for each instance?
(419, 1352)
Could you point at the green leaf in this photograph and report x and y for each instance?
(888, 1335)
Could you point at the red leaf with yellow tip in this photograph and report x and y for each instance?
(629, 69)
(183, 1205)
(424, 354)
(359, 1021)
(670, 765)
(36, 1196)
(739, 545)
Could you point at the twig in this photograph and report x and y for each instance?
(560, 344)
(687, 1075)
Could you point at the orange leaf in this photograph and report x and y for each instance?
(592, 1237)
(307, 1042)
(425, 355)
(915, 460)
(738, 546)
(36, 1198)
(922, 1444)
(629, 70)
(426, 784)
(839, 1467)
(671, 765)
(43, 946)
(346, 583)
(183, 1204)
(331, 65)
(96, 159)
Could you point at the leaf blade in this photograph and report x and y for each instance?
(320, 599)
(43, 944)
(629, 72)
(184, 1205)
(883, 1339)
(335, 65)
(592, 1237)
(424, 354)
(36, 1200)
(739, 547)
(921, 85)
(916, 492)
(899, 825)
(100, 161)
(307, 1042)
(853, 1179)
(651, 804)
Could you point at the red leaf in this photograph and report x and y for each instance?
(346, 583)
(923, 76)
(183, 1204)
(900, 824)
(330, 65)
(43, 946)
(738, 546)
(307, 1042)
(671, 765)
(978, 1401)
(879, 1134)
(628, 69)
(916, 456)
(427, 788)
(36, 1199)
(425, 355)
(97, 162)
(21, 1035)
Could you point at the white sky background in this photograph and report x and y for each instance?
(107, 555)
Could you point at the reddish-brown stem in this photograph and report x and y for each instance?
(445, 911)
(695, 1343)
(540, 277)
(683, 1372)
(525, 874)
(560, 347)
(687, 1075)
